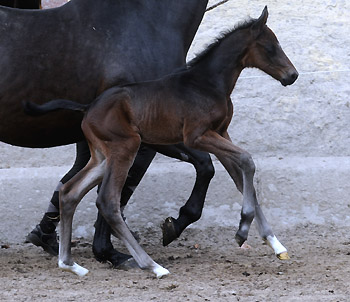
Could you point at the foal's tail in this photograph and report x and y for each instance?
(33, 109)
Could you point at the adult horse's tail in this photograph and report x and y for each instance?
(33, 109)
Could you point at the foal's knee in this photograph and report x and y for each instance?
(246, 163)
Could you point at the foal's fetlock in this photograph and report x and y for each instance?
(169, 231)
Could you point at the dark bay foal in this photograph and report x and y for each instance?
(192, 106)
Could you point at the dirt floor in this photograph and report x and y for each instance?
(205, 266)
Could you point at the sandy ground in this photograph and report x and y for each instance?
(205, 266)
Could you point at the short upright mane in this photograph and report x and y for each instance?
(242, 25)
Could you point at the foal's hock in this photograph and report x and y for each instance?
(192, 106)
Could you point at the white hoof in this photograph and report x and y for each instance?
(75, 268)
(160, 271)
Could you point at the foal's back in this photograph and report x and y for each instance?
(160, 111)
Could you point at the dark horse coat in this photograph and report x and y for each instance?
(80, 49)
(25, 4)
(77, 51)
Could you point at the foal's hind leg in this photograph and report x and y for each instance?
(192, 210)
(71, 194)
(119, 162)
(102, 246)
(239, 164)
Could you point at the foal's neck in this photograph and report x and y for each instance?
(222, 64)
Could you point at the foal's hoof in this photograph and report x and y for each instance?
(240, 239)
(283, 256)
(75, 268)
(160, 271)
(245, 246)
(169, 231)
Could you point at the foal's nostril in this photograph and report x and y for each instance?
(294, 76)
(290, 78)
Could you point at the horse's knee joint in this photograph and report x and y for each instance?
(247, 163)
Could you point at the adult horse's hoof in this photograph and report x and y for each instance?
(127, 265)
(117, 259)
(283, 256)
(47, 241)
(169, 231)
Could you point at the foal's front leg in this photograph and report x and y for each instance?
(239, 164)
(192, 210)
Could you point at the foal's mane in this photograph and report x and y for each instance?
(241, 25)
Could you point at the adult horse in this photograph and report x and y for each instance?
(77, 51)
(25, 4)
(192, 106)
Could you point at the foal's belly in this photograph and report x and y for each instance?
(161, 131)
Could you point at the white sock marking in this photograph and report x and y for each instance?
(276, 245)
(160, 271)
(75, 268)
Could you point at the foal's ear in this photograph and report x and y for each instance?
(260, 23)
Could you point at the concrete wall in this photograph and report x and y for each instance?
(298, 135)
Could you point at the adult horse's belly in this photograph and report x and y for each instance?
(54, 129)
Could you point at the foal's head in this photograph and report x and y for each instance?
(266, 53)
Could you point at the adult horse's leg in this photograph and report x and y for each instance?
(192, 210)
(239, 164)
(44, 234)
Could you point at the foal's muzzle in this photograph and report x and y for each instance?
(289, 78)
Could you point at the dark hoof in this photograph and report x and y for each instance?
(113, 256)
(240, 238)
(127, 265)
(169, 231)
(47, 241)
